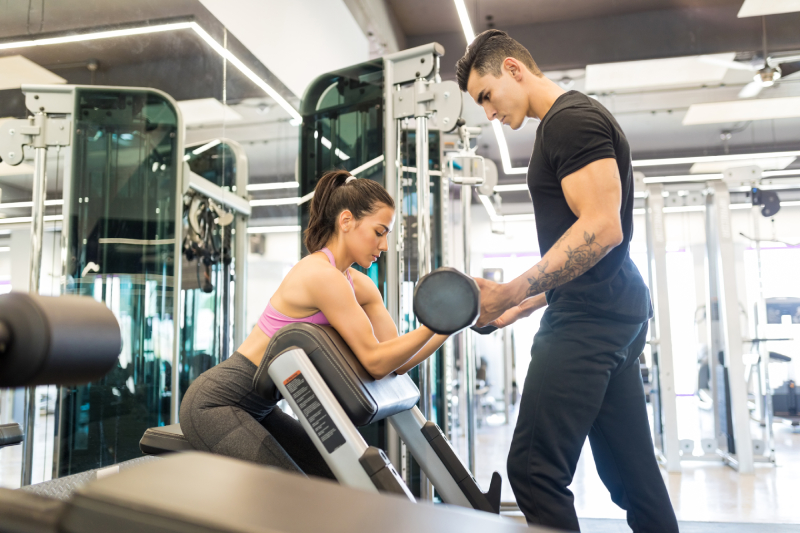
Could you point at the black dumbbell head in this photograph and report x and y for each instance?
(447, 301)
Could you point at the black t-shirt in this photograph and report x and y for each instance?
(577, 131)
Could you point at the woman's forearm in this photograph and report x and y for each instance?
(434, 344)
(389, 355)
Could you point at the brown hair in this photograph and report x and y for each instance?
(486, 55)
(332, 196)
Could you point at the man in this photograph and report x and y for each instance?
(584, 376)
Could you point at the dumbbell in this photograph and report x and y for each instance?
(447, 301)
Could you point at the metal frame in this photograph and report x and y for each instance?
(344, 459)
(724, 336)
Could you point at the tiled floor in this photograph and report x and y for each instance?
(703, 492)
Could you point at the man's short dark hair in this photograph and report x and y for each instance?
(486, 55)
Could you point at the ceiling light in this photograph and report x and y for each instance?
(742, 110)
(710, 158)
(156, 28)
(668, 73)
(367, 165)
(273, 229)
(275, 201)
(514, 187)
(504, 155)
(5, 248)
(767, 163)
(212, 144)
(272, 186)
(487, 204)
(758, 8)
(466, 25)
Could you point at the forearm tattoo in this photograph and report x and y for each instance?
(579, 260)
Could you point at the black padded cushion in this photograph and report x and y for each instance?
(364, 399)
(10, 434)
(164, 439)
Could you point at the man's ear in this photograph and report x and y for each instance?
(513, 67)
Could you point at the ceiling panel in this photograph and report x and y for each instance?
(423, 17)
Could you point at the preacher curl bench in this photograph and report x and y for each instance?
(331, 394)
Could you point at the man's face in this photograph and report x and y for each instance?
(502, 98)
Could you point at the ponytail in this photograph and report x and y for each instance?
(334, 194)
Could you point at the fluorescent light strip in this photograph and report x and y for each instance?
(367, 165)
(17, 205)
(273, 229)
(272, 186)
(207, 146)
(5, 249)
(306, 198)
(235, 61)
(711, 158)
(24, 220)
(513, 187)
(275, 201)
(466, 25)
(709, 177)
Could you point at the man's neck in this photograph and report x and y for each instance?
(542, 94)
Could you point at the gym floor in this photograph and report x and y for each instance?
(710, 493)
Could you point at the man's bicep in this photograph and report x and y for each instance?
(595, 188)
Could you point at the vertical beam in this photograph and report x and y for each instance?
(729, 314)
(466, 335)
(392, 184)
(657, 262)
(177, 254)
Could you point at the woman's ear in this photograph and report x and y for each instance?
(346, 220)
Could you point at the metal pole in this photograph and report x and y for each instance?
(766, 397)
(37, 231)
(466, 337)
(423, 253)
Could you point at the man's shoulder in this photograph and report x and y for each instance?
(571, 106)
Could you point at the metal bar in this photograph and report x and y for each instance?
(391, 182)
(177, 273)
(466, 335)
(729, 311)
(408, 425)
(37, 231)
(657, 252)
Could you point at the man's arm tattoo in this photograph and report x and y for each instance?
(579, 260)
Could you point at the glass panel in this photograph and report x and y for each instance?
(207, 290)
(120, 251)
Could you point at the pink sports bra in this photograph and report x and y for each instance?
(272, 320)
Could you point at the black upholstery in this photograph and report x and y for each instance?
(10, 434)
(364, 399)
(205, 493)
(164, 439)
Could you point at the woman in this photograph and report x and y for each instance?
(349, 223)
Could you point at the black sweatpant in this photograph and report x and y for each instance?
(584, 379)
(221, 413)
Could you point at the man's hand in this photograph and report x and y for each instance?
(523, 310)
(494, 301)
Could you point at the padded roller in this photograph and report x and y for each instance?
(447, 301)
(64, 340)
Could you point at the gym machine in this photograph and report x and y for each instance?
(384, 120)
(329, 391)
(733, 443)
(74, 339)
(128, 189)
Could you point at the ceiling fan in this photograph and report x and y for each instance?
(767, 69)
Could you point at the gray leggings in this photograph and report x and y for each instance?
(220, 413)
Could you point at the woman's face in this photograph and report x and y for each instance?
(367, 238)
